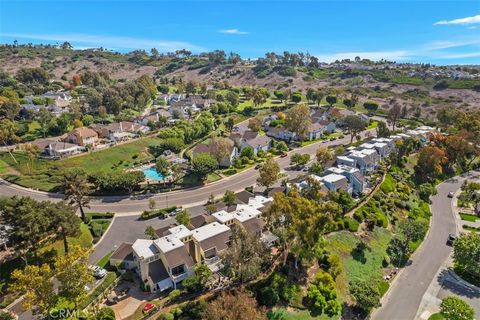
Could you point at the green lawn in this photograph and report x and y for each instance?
(358, 264)
(43, 175)
(85, 240)
(118, 157)
(303, 315)
(469, 217)
(105, 260)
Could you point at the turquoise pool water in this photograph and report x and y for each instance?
(152, 173)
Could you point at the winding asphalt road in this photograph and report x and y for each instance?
(404, 298)
(186, 198)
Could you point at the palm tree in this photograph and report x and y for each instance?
(76, 189)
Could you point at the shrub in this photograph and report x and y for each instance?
(350, 224)
(454, 308)
(174, 294)
(166, 316)
(150, 214)
(267, 297)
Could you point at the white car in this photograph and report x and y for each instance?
(98, 272)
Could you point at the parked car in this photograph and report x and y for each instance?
(450, 194)
(451, 239)
(149, 308)
(98, 272)
(258, 166)
(283, 155)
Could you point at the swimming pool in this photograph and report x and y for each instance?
(151, 173)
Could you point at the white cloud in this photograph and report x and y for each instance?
(461, 21)
(396, 55)
(111, 42)
(232, 31)
(460, 55)
(446, 44)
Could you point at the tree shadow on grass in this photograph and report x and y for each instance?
(358, 253)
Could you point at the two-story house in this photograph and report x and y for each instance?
(255, 141)
(82, 136)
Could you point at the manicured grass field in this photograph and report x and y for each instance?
(358, 264)
(43, 174)
(118, 157)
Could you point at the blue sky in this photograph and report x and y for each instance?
(440, 32)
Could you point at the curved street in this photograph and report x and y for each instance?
(187, 197)
(404, 297)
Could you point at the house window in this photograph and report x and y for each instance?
(178, 270)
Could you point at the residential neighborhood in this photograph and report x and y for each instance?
(194, 164)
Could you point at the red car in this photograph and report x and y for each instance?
(283, 155)
(148, 307)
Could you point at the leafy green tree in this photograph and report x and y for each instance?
(269, 173)
(255, 124)
(366, 294)
(322, 294)
(4, 315)
(244, 258)
(431, 160)
(73, 274)
(394, 114)
(32, 152)
(323, 155)
(466, 253)
(230, 198)
(203, 164)
(162, 166)
(248, 152)
(152, 203)
(453, 308)
(425, 190)
(299, 222)
(151, 233)
(300, 159)
(232, 98)
(267, 296)
(354, 125)
(183, 218)
(282, 146)
(44, 117)
(198, 281)
(238, 305)
(280, 95)
(371, 106)
(30, 226)
(220, 148)
(34, 282)
(76, 189)
(382, 130)
(331, 100)
(105, 314)
(64, 219)
(343, 198)
(296, 97)
(298, 120)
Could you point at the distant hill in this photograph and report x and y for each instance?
(421, 86)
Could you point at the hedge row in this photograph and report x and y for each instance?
(161, 213)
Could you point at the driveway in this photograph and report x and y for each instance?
(403, 299)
